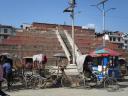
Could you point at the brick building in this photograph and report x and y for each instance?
(47, 26)
(42, 38)
(6, 31)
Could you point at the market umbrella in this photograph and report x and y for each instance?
(112, 52)
(99, 52)
(104, 52)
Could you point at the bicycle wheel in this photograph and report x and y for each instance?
(34, 82)
(111, 84)
(24, 82)
(42, 82)
(27, 81)
(82, 81)
(65, 82)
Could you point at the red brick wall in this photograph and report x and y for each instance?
(46, 26)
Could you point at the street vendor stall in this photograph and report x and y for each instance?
(106, 62)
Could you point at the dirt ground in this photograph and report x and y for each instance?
(122, 91)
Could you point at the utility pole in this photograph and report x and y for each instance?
(103, 11)
(70, 9)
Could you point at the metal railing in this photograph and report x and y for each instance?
(63, 45)
(77, 51)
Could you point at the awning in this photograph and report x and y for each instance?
(104, 52)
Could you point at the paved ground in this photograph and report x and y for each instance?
(123, 91)
(69, 92)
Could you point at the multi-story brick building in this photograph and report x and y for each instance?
(6, 31)
(125, 38)
(119, 38)
(116, 37)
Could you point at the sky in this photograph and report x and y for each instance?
(17, 12)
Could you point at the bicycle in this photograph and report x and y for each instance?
(111, 83)
(101, 80)
(27, 80)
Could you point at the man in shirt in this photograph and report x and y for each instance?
(1, 76)
(7, 72)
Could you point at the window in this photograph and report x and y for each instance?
(110, 38)
(5, 37)
(120, 46)
(119, 39)
(126, 41)
(5, 30)
(114, 39)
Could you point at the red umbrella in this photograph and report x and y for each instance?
(104, 52)
(112, 52)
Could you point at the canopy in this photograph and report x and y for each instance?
(60, 55)
(104, 52)
(80, 61)
(7, 54)
(39, 57)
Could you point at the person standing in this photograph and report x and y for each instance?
(1, 76)
(7, 72)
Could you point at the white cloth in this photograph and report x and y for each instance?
(80, 61)
(38, 57)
